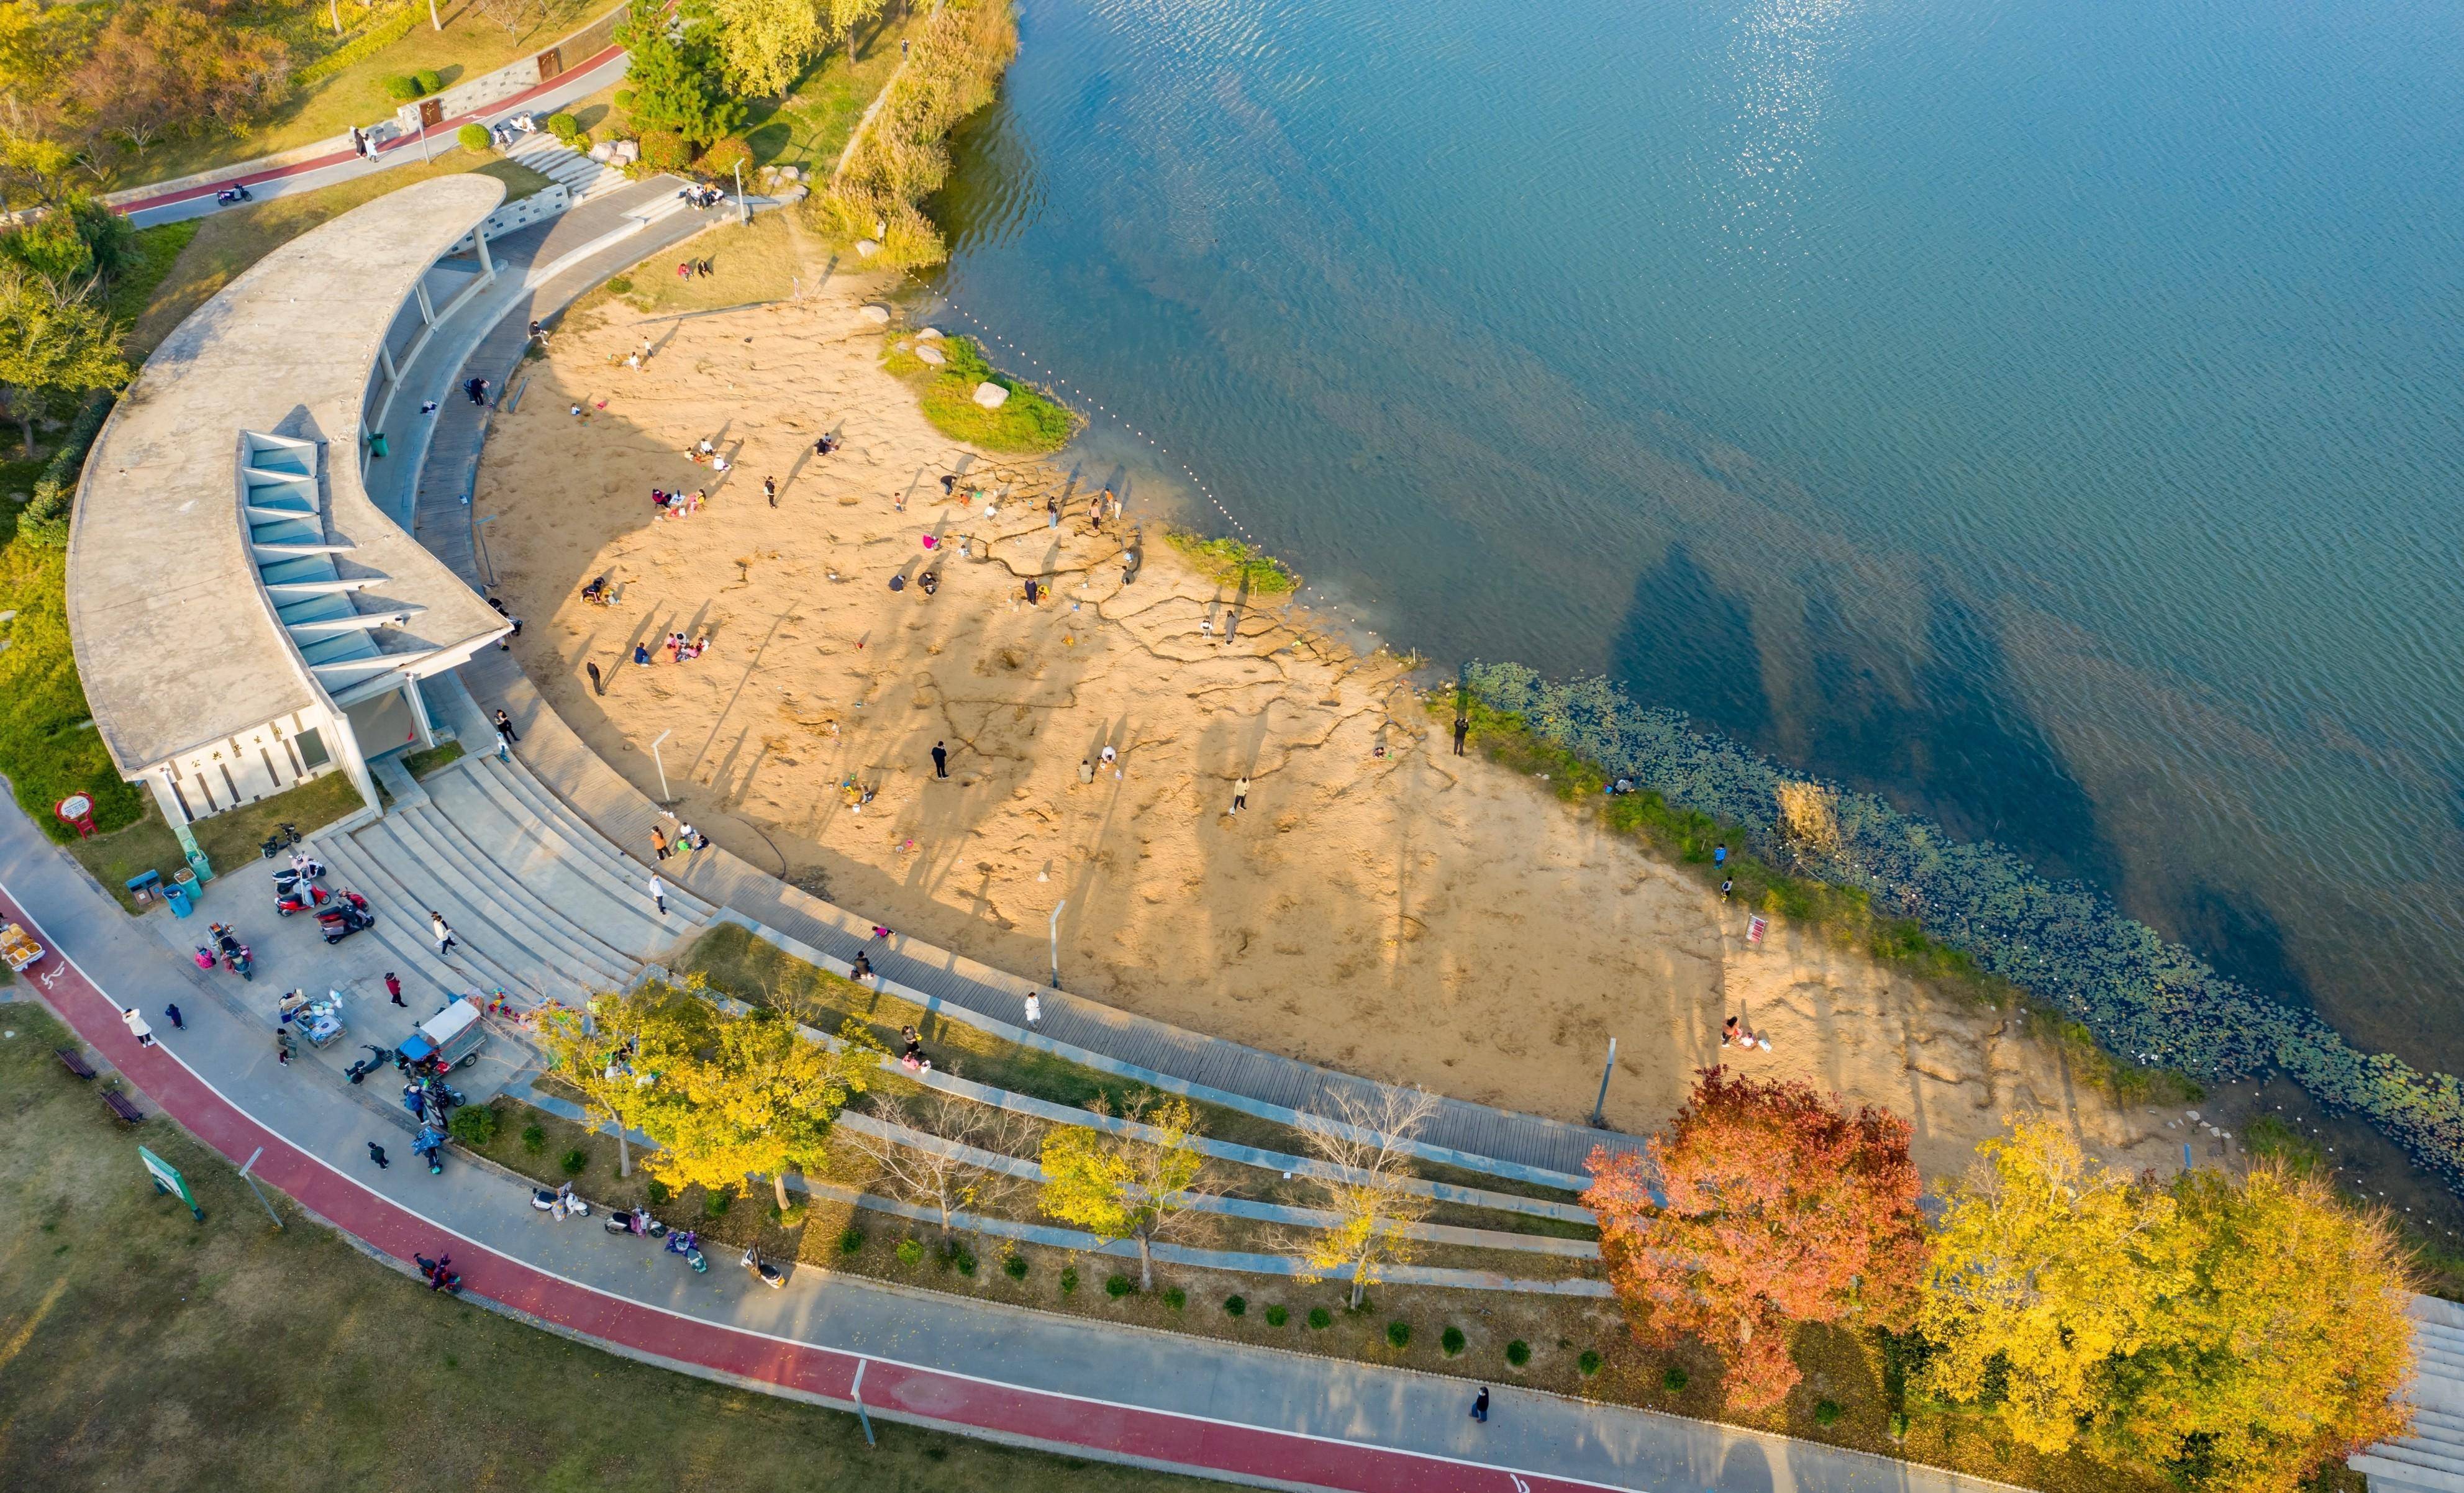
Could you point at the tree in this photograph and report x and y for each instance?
(676, 80)
(846, 15)
(610, 1056)
(1118, 1186)
(512, 13)
(175, 65)
(1775, 1207)
(1371, 1195)
(55, 344)
(765, 44)
(931, 1165)
(2046, 1267)
(751, 1098)
(2285, 1351)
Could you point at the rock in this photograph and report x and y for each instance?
(604, 151)
(628, 151)
(930, 354)
(865, 249)
(929, 334)
(877, 314)
(791, 173)
(992, 396)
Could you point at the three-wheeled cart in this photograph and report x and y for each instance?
(19, 947)
(450, 1038)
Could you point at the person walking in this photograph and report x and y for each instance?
(1719, 856)
(596, 688)
(1034, 1010)
(770, 489)
(393, 988)
(940, 760)
(376, 1153)
(505, 727)
(1479, 1405)
(444, 939)
(1052, 512)
(659, 841)
(171, 1014)
(137, 1026)
(1727, 885)
(1239, 794)
(659, 893)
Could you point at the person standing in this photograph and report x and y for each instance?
(393, 988)
(445, 940)
(1726, 885)
(1719, 856)
(1239, 794)
(376, 1153)
(770, 489)
(1479, 1405)
(659, 893)
(596, 688)
(659, 841)
(940, 760)
(1034, 1010)
(1462, 728)
(505, 727)
(1052, 512)
(137, 1026)
(171, 1014)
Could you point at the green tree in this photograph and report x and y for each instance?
(607, 1054)
(1124, 1186)
(677, 82)
(846, 15)
(176, 65)
(751, 1097)
(765, 44)
(55, 345)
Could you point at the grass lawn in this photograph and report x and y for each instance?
(811, 125)
(470, 45)
(1029, 422)
(419, 764)
(233, 841)
(757, 261)
(139, 1348)
(226, 243)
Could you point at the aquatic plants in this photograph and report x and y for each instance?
(1030, 422)
(1232, 562)
(2144, 999)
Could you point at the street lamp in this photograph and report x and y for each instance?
(1056, 943)
(665, 797)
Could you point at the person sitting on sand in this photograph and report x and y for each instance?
(930, 580)
(642, 654)
(596, 592)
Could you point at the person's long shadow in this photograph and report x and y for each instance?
(751, 665)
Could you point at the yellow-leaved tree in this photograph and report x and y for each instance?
(605, 1054)
(2046, 1266)
(751, 1097)
(1139, 1186)
(765, 44)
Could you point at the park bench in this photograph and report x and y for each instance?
(74, 1060)
(119, 1105)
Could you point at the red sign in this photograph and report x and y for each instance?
(1754, 927)
(77, 810)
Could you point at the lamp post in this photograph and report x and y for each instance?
(1600, 1104)
(743, 214)
(665, 798)
(1056, 943)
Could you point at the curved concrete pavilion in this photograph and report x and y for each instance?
(244, 616)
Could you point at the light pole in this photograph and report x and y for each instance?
(743, 214)
(1601, 1103)
(665, 798)
(1056, 943)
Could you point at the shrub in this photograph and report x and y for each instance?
(657, 1192)
(1069, 1279)
(1399, 1333)
(1119, 1286)
(563, 127)
(1518, 1352)
(359, 49)
(1452, 1341)
(1899, 1425)
(402, 88)
(473, 1126)
(961, 1259)
(1826, 1413)
(850, 1240)
(910, 1254)
(533, 1137)
(1673, 1379)
(1277, 1316)
(724, 156)
(45, 520)
(664, 150)
(1015, 1267)
(1236, 1305)
(1588, 1364)
(574, 1162)
(1174, 1297)
(622, 285)
(428, 81)
(714, 1205)
(474, 137)
(623, 99)
(1320, 1318)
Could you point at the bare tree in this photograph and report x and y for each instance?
(938, 1174)
(1370, 1194)
(512, 13)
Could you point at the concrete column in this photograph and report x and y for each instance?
(487, 266)
(355, 763)
(418, 711)
(426, 308)
(384, 351)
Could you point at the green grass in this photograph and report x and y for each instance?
(812, 124)
(47, 745)
(419, 764)
(232, 842)
(1029, 423)
(140, 1348)
(1234, 563)
(470, 45)
(750, 263)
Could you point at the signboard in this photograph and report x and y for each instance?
(167, 1179)
(76, 811)
(1755, 927)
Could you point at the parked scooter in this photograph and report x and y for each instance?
(636, 1221)
(235, 192)
(764, 1271)
(437, 1276)
(347, 915)
(284, 836)
(304, 866)
(378, 1057)
(688, 1243)
(235, 956)
(300, 896)
(563, 1197)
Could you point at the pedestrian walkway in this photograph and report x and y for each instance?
(1066, 1384)
(582, 176)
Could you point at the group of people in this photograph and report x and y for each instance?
(676, 505)
(687, 840)
(910, 1056)
(703, 198)
(688, 269)
(680, 650)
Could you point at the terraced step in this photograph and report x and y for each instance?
(481, 943)
(401, 921)
(592, 883)
(515, 786)
(535, 924)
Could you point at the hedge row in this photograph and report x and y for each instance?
(2145, 998)
(45, 520)
(359, 49)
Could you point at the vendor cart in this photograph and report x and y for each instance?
(317, 1020)
(21, 948)
(450, 1038)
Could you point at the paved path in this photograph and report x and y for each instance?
(1057, 1382)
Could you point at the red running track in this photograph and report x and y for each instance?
(339, 156)
(904, 1391)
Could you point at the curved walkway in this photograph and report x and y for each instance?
(1066, 1384)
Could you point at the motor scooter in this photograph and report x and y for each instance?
(235, 192)
(284, 836)
(688, 1243)
(764, 1271)
(378, 1058)
(302, 896)
(235, 956)
(437, 1276)
(546, 1201)
(302, 867)
(636, 1221)
(348, 915)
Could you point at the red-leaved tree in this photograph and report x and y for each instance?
(1774, 1206)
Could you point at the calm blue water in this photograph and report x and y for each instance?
(2045, 412)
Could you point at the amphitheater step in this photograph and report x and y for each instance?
(484, 941)
(401, 921)
(541, 925)
(516, 786)
(583, 177)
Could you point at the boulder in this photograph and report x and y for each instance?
(877, 314)
(930, 354)
(791, 173)
(865, 249)
(992, 396)
(929, 334)
(603, 152)
(628, 151)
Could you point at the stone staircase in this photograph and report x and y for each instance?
(541, 905)
(582, 176)
(2431, 1460)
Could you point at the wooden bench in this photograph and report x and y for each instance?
(120, 1107)
(74, 1060)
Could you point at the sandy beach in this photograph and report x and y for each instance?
(1380, 906)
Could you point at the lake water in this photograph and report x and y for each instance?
(2043, 412)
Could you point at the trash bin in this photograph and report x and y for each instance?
(377, 443)
(144, 890)
(176, 897)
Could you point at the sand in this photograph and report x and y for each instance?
(1413, 916)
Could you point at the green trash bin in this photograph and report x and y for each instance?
(377, 443)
